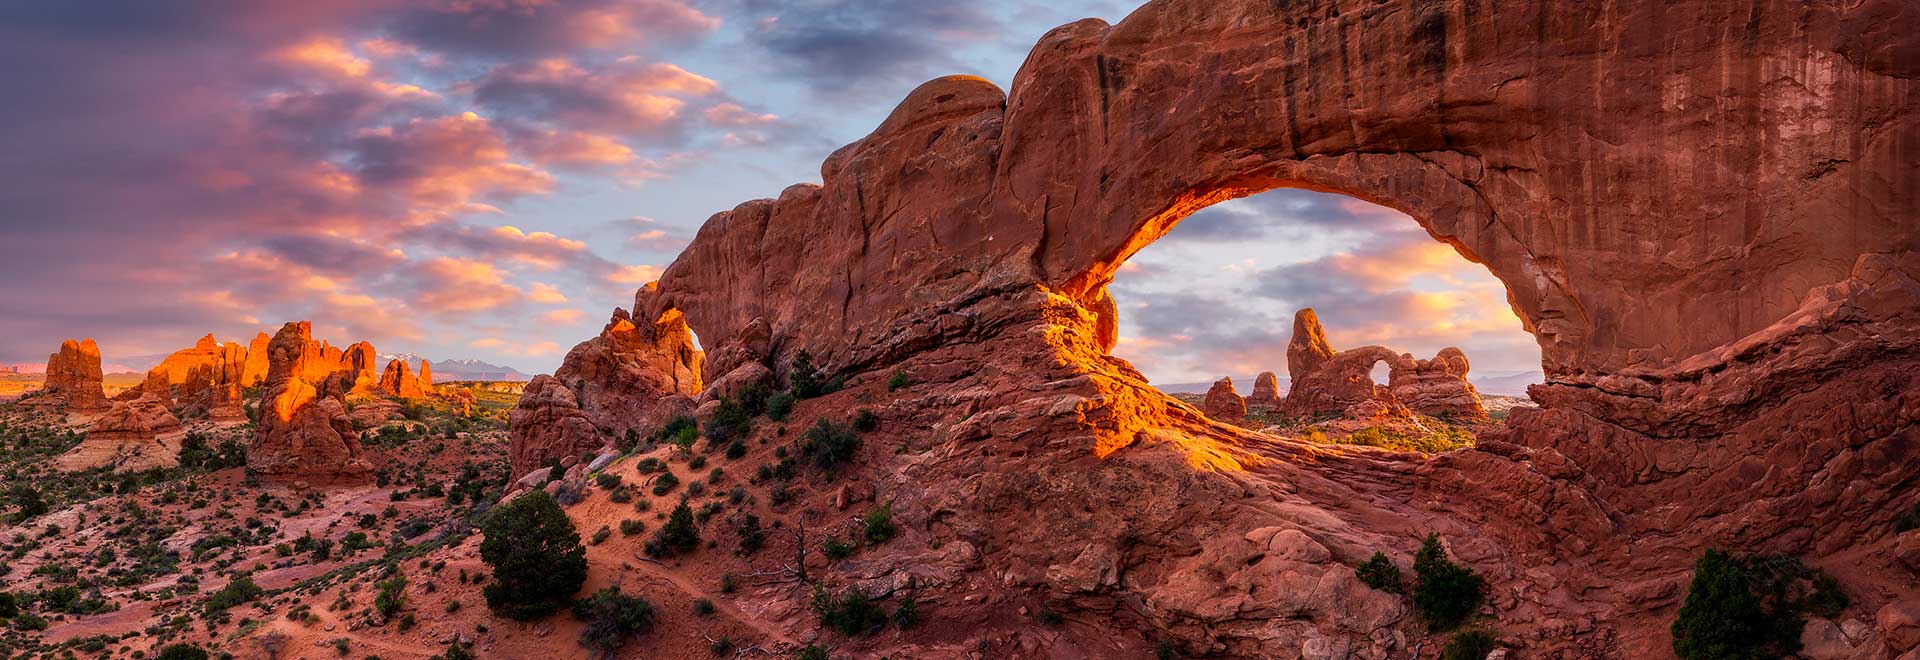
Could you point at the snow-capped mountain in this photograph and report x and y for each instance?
(461, 369)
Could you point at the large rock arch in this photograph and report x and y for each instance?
(1705, 211)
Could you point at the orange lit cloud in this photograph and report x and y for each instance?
(450, 285)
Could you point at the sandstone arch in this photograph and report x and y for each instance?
(1704, 211)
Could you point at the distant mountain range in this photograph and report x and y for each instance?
(462, 369)
(1504, 383)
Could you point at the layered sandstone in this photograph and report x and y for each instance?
(1266, 391)
(634, 376)
(73, 377)
(304, 429)
(133, 436)
(1438, 386)
(1329, 382)
(255, 370)
(1223, 403)
(1715, 249)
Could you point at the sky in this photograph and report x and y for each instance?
(490, 178)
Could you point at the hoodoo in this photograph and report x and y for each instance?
(73, 377)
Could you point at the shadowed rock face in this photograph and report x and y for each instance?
(1266, 390)
(1712, 239)
(1223, 403)
(133, 436)
(74, 373)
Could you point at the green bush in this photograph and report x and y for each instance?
(1380, 573)
(665, 484)
(780, 406)
(1469, 645)
(729, 421)
(851, 613)
(803, 380)
(812, 652)
(879, 524)
(606, 480)
(239, 590)
(835, 548)
(751, 536)
(1751, 607)
(392, 596)
(611, 617)
(898, 380)
(864, 420)
(632, 527)
(9, 605)
(827, 444)
(538, 562)
(181, 652)
(1444, 592)
(679, 535)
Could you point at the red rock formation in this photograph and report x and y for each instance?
(1341, 381)
(1223, 403)
(1438, 386)
(133, 436)
(1308, 349)
(547, 424)
(359, 361)
(1266, 390)
(1715, 248)
(397, 381)
(619, 378)
(180, 364)
(255, 371)
(225, 403)
(426, 376)
(73, 377)
(303, 428)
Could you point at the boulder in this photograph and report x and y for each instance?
(1899, 625)
(620, 379)
(547, 424)
(1223, 403)
(374, 413)
(1437, 387)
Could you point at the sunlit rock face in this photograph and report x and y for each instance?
(1717, 260)
(1329, 382)
(304, 429)
(1266, 391)
(1223, 403)
(398, 381)
(73, 377)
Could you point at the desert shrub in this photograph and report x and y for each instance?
(632, 527)
(703, 607)
(851, 613)
(812, 652)
(898, 380)
(1751, 606)
(611, 617)
(803, 379)
(1380, 573)
(9, 605)
(606, 480)
(392, 595)
(1468, 645)
(736, 449)
(835, 548)
(600, 535)
(181, 652)
(907, 615)
(685, 438)
(679, 535)
(27, 500)
(753, 398)
(673, 428)
(1444, 592)
(665, 484)
(864, 420)
(239, 590)
(751, 536)
(780, 406)
(730, 421)
(454, 652)
(879, 524)
(538, 562)
(827, 444)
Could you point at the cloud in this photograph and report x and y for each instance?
(872, 46)
(1286, 211)
(634, 275)
(456, 286)
(563, 316)
(648, 234)
(508, 28)
(629, 96)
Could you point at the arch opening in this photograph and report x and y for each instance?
(1395, 314)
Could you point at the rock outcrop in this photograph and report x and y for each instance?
(547, 424)
(178, 365)
(426, 376)
(1438, 386)
(73, 377)
(398, 382)
(213, 386)
(133, 436)
(634, 376)
(1223, 403)
(255, 371)
(1266, 391)
(1717, 257)
(304, 429)
(1307, 349)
